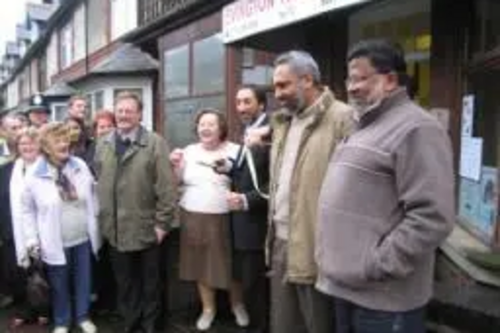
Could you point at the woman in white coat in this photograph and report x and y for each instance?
(59, 216)
(13, 176)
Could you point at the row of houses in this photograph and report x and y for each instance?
(179, 55)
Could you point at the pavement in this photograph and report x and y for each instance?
(179, 323)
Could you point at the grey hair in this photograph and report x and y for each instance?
(301, 63)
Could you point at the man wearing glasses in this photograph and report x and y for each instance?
(387, 201)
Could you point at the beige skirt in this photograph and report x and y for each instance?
(205, 249)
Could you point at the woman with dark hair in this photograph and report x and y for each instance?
(79, 138)
(205, 238)
(104, 122)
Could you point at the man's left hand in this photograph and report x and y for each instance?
(160, 234)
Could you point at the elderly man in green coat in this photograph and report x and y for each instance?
(136, 194)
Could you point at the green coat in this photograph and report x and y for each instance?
(136, 193)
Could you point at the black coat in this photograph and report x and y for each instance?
(6, 231)
(249, 228)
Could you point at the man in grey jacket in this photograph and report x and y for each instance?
(387, 201)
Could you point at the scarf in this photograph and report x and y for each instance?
(20, 172)
(67, 190)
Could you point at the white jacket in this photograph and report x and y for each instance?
(41, 209)
(17, 184)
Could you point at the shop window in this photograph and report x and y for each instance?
(176, 72)
(208, 65)
(248, 57)
(193, 78)
(479, 198)
(412, 32)
(487, 25)
(59, 111)
(179, 122)
(66, 50)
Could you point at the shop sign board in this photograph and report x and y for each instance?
(243, 18)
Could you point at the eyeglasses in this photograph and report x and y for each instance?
(363, 78)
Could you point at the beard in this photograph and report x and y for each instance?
(369, 102)
(298, 104)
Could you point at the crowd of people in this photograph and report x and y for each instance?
(323, 217)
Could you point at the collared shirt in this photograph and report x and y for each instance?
(132, 135)
(256, 123)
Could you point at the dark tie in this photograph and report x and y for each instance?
(122, 146)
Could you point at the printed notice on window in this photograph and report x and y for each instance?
(467, 115)
(471, 157)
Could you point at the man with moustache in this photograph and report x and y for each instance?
(378, 228)
(248, 203)
(305, 132)
(136, 193)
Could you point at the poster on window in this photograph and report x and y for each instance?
(471, 157)
(488, 199)
(467, 115)
(469, 199)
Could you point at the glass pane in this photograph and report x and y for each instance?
(208, 65)
(60, 112)
(179, 118)
(479, 200)
(99, 100)
(488, 25)
(176, 73)
(90, 103)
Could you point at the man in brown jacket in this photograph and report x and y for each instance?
(305, 133)
(387, 201)
(136, 199)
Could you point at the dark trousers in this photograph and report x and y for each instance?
(297, 308)
(249, 269)
(104, 282)
(137, 275)
(352, 318)
(71, 281)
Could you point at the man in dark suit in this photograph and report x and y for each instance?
(248, 203)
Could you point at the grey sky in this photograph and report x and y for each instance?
(11, 13)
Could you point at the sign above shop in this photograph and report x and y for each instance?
(244, 18)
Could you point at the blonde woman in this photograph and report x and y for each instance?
(60, 224)
(13, 177)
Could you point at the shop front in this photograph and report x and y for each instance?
(480, 140)
(257, 31)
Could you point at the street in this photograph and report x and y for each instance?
(178, 324)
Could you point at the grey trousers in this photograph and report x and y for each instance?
(297, 308)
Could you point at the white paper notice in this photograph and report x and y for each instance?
(471, 157)
(467, 115)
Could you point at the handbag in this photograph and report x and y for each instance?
(37, 286)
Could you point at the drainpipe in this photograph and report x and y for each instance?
(87, 23)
